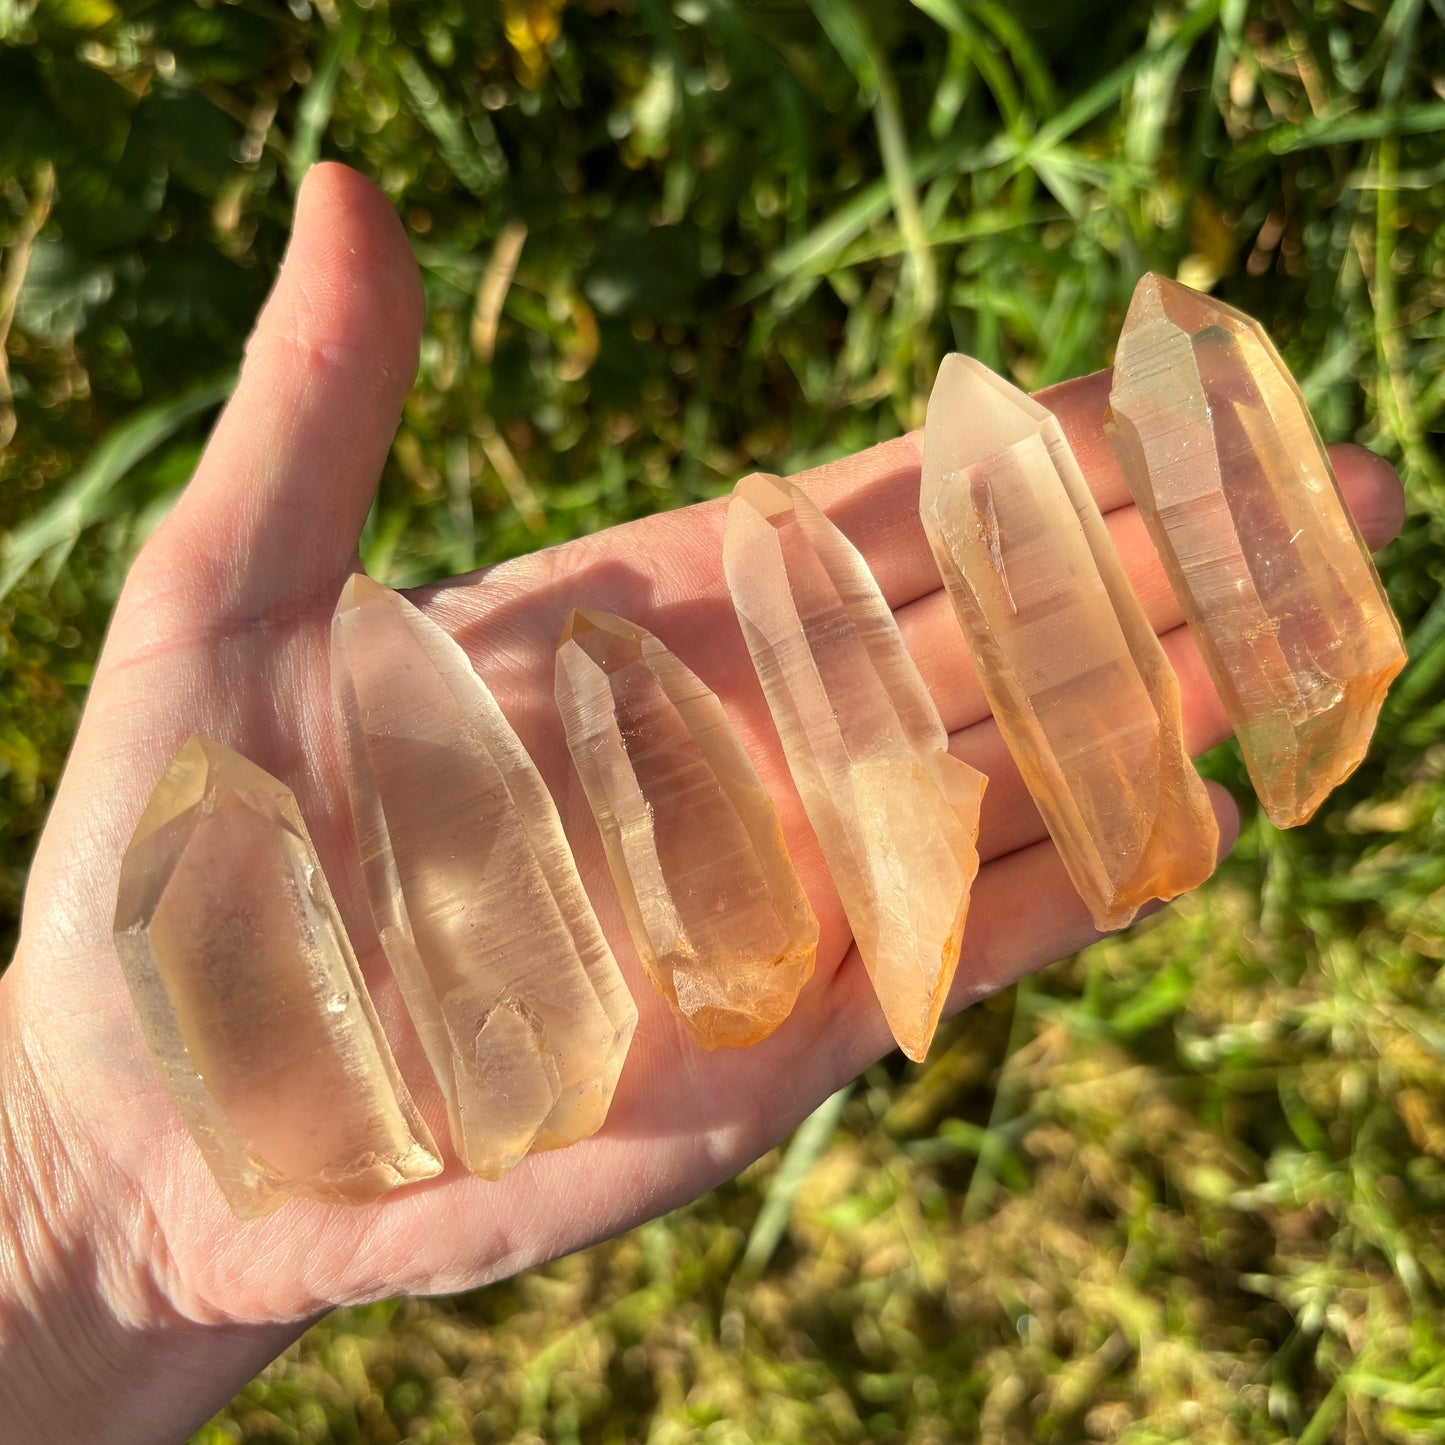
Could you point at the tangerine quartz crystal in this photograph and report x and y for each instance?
(693, 840)
(896, 816)
(250, 997)
(1079, 685)
(519, 1003)
(1237, 491)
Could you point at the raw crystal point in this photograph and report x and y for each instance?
(693, 840)
(519, 1003)
(895, 815)
(1079, 685)
(1238, 494)
(250, 997)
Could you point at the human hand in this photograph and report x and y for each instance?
(121, 1263)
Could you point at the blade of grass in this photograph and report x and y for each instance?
(1395, 395)
(845, 31)
(1028, 62)
(814, 252)
(1391, 51)
(807, 1143)
(12, 279)
(1427, 660)
(512, 477)
(875, 80)
(977, 225)
(981, 55)
(951, 91)
(463, 550)
(473, 154)
(1152, 92)
(313, 112)
(1103, 93)
(977, 1200)
(496, 282)
(1321, 131)
(55, 526)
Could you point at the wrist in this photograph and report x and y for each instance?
(91, 1347)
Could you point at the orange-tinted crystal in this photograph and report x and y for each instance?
(1238, 494)
(1078, 682)
(250, 996)
(691, 836)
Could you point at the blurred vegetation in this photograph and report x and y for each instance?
(1186, 1186)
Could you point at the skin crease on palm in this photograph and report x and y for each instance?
(223, 629)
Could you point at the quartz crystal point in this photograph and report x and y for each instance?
(518, 1000)
(1079, 685)
(250, 997)
(692, 837)
(1238, 494)
(896, 816)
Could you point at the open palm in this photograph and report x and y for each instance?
(223, 629)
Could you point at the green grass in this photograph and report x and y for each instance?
(1186, 1186)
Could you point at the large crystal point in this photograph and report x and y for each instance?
(250, 997)
(692, 837)
(519, 1003)
(1238, 494)
(895, 815)
(1078, 682)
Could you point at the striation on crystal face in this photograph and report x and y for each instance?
(896, 816)
(519, 1003)
(692, 838)
(1237, 491)
(250, 997)
(1079, 685)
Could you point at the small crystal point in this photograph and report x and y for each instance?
(1079, 685)
(1237, 491)
(519, 1003)
(693, 840)
(896, 815)
(250, 996)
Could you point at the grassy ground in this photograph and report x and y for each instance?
(1190, 1185)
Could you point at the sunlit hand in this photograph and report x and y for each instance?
(131, 1296)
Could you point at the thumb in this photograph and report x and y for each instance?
(272, 516)
(265, 532)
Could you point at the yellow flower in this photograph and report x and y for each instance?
(531, 26)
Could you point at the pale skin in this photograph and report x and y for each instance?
(132, 1303)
